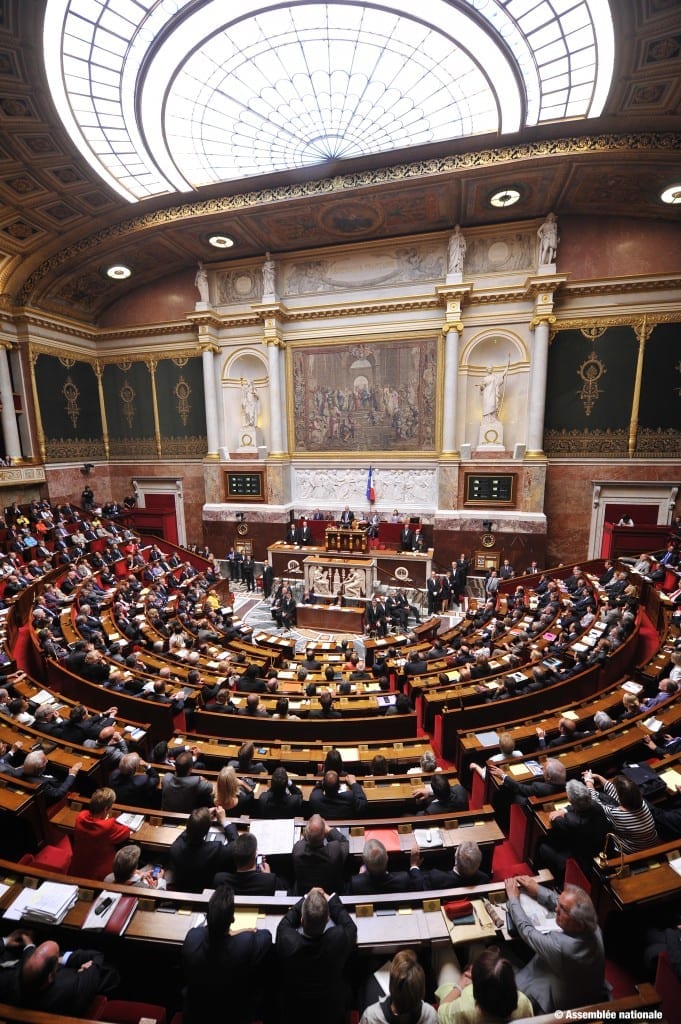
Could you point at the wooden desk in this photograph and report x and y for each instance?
(330, 618)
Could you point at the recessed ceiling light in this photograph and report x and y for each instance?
(507, 197)
(119, 272)
(221, 241)
(672, 195)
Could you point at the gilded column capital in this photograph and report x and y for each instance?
(275, 343)
(6, 344)
(542, 318)
(209, 346)
(458, 327)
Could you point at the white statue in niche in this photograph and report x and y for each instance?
(492, 392)
(268, 277)
(249, 403)
(201, 283)
(456, 252)
(547, 233)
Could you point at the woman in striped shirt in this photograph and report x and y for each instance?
(629, 815)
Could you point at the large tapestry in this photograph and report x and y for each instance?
(181, 407)
(365, 397)
(69, 407)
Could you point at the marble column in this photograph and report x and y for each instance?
(210, 399)
(449, 405)
(9, 416)
(273, 361)
(537, 396)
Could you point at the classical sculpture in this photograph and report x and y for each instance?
(456, 252)
(201, 282)
(249, 403)
(268, 276)
(547, 233)
(492, 392)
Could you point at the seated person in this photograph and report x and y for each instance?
(221, 968)
(67, 983)
(126, 870)
(448, 797)
(629, 815)
(486, 991)
(252, 875)
(568, 966)
(328, 800)
(374, 876)
(282, 800)
(193, 861)
(577, 831)
(466, 871)
(96, 837)
(405, 1000)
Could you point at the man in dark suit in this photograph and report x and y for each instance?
(305, 534)
(406, 538)
(374, 876)
(347, 517)
(43, 983)
(223, 969)
(326, 708)
(434, 593)
(193, 860)
(133, 787)
(185, 791)
(314, 942)
(376, 620)
(34, 770)
(249, 877)
(326, 799)
(419, 543)
(319, 857)
(510, 791)
(466, 871)
(282, 800)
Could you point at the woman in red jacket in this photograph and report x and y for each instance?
(96, 837)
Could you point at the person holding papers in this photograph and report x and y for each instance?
(96, 837)
(568, 966)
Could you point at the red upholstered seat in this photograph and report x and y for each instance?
(126, 1011)
(575, 876)
(668, 987)
(55, 858)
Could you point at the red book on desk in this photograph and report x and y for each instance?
(120, 919)
(390, 838)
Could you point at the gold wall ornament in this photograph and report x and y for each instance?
(182, 392)
(67, 362)
(180, 361)
(592, 334)
(71, 394)
(124, 366)
(591, 371)
(127, 395)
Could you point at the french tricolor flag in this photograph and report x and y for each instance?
(371, 493)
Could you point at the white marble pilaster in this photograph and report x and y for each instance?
(9, 416)
(210, 399)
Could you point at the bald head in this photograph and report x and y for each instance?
(315, 831)
(38, 971)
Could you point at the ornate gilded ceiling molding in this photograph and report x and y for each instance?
(585, 289)
(643, 142)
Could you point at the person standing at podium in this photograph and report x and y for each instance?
(305, 535)
(347, 517)
(406, 538)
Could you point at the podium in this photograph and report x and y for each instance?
(345, 538)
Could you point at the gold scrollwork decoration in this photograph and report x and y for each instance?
(592, 334)
(124, 365)
(67, 362)
(180, 361)
(71, 395)
(182, 392)
(127, 395)
(591, 371)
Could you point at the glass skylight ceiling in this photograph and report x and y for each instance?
(166, 95)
